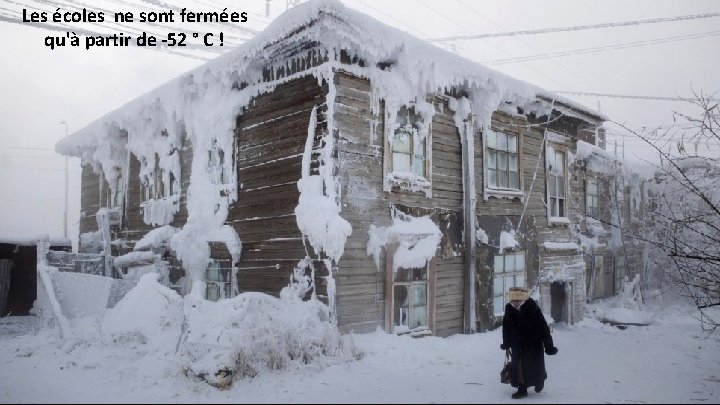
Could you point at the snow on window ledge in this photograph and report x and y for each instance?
(407, 181)
(558, 221)
(415, 332)
(507, 194)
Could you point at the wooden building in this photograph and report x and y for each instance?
(18, 273)
(393, 129)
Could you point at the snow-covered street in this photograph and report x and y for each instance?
(670, 361)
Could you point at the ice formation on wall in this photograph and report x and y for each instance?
(417, 237)
(318, 212)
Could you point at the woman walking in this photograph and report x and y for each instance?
(526, 335)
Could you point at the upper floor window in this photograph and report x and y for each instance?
(118, 192)
(409, 149)
(407, 163)
(503, 169)
(556, 161)
(591, 198)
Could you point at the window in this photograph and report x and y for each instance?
(408, 150)
(170, 184)
(591, 198)
(509, 271)
(216, 165)
(152, 184)
(218, 277)
(118, 194)
(173, 187)
(502, 161)
(410, 300)
(408, 145)
(556, 187)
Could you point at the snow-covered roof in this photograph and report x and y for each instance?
(331, 26)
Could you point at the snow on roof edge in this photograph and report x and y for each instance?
(286, 25)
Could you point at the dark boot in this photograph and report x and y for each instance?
(539, 387)
(521, 392)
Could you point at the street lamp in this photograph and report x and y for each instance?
(65, 219)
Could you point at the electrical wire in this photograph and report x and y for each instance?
(576, 27)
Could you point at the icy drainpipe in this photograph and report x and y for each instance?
(465, 126)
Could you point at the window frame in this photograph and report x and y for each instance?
(497, 151)
(549, 172)
(219, 285)
(216, 159)
(390, 283)
(502, 292)
(406, 180)
(592, 197)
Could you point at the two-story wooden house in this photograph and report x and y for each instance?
(404, 185)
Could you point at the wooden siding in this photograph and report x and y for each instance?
(361, 151)
(360, 285)
(89, 200)
(270, 141)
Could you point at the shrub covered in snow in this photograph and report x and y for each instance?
(254, 332)
(232, 338)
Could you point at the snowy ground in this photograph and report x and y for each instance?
(671, 360)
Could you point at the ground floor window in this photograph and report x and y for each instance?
(509, 271)
(218, 278)
(410, 299)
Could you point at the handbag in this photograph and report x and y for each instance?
(505, 373)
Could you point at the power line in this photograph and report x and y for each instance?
(491, 44)
(576, 27)
(389, 16)
(578, 93)
(473, 9)
(603, 48)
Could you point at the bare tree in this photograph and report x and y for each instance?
(683, 229)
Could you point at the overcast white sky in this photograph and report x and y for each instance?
(40, 87)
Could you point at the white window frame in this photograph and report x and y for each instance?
(500, 278)
(400, 326)
(591, 198)
(494, 148)
(391, 311)
(407, 180)
(552, 175)
(218, 285)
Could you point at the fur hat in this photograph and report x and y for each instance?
(517, 293)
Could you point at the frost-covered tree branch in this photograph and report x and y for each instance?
(683, 227)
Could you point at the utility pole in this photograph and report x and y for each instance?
(65, 214)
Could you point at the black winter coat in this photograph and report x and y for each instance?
(525, 332)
